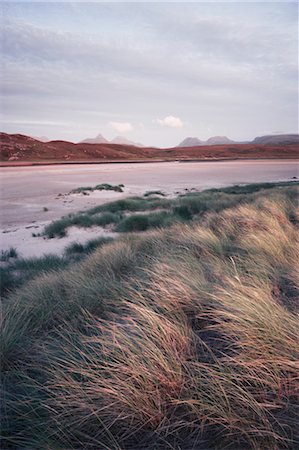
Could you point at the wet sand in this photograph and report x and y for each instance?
(26, 191)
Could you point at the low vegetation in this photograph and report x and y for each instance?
(98, 187)
(8, 254)
(149, 193)
(76, 248)
(186, 207)
(58, 227)
(17, 272)
(183, 337)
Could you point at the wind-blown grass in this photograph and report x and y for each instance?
(183, 337)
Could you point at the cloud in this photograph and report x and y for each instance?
(121, 127)
(170, 121)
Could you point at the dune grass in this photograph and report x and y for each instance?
(58, 228)
(183, 337)
(185, 207)
(18, 272)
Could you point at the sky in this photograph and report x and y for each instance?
(154, 72)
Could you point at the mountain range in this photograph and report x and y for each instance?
(120, 140)
(277, 139)
(20, 149)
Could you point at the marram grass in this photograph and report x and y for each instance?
(182, 338)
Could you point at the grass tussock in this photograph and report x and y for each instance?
(6, 255)
(183, 337)
(98, 187)
(150, 193)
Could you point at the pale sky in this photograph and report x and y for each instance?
(154, 72)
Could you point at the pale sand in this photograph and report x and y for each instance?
(28, 246)
(25, 191)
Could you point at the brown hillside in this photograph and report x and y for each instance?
(17, 148)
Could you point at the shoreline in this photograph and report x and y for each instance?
(137, 161)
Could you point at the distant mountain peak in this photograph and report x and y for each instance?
(99, 139)
(191, 142)
(122, 140)
(214, 140)
(219, 140)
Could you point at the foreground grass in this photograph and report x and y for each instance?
(178, 338)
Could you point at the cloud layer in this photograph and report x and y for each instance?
(224, 69)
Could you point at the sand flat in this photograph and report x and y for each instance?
(26, 191)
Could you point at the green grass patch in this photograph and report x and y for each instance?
(185, 207)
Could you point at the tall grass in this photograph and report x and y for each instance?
(178, 338)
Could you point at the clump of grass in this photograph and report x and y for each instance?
(98, 187)
(151, 193)
(132, 204)
(77, 248)
(142, 222)
(58, 228)
(7, 254)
